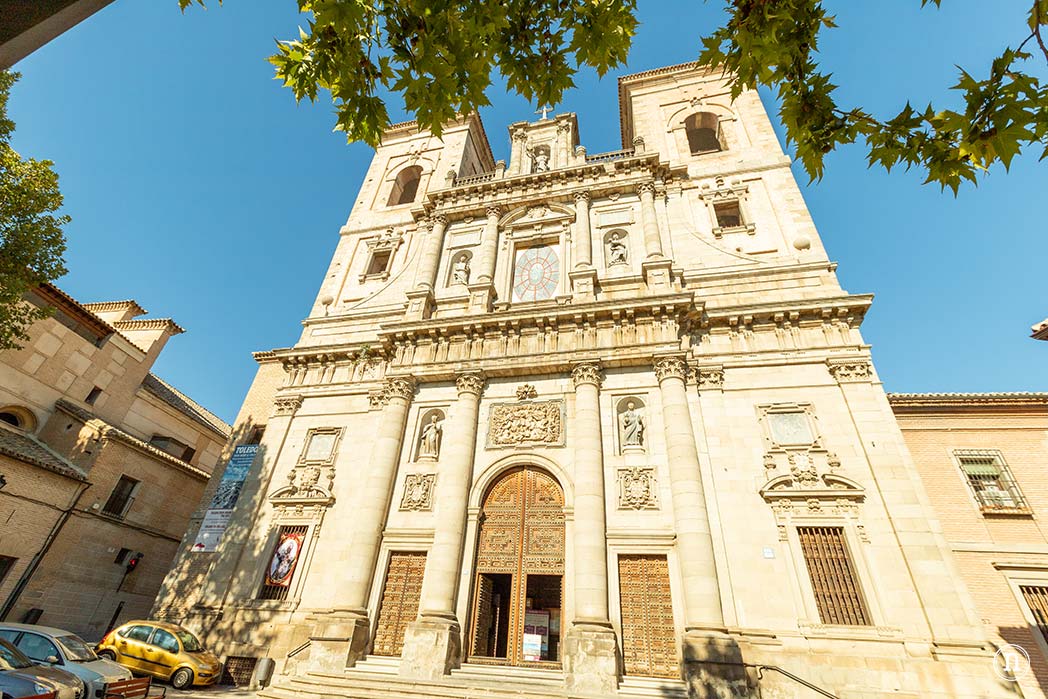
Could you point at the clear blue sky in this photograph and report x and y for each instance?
(199, 188)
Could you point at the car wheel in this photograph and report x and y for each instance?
(182, 679)
(107, 655)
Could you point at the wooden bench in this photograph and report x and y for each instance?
(136, 688)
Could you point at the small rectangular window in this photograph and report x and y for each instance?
(991, 482)
(255, 436)
(833, 578)
(728, 214)
(6, 564)
(379, 262)
(121, 555)
(120, 499)
(93, 395)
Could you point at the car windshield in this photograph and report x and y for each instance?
(189, 641)
(11, 658)
(76, 649)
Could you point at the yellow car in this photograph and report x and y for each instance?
(165, 651)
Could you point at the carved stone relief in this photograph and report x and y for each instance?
(638, 489)
(850, 369)
(524, 424)
(418, 491)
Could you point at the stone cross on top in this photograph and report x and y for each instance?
(544, 110)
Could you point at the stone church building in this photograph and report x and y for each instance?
(584, 425)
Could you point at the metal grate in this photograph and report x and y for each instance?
(991, 481)
(400, 599)
(833, 576)
(280, 592)
(1036, 597)
(238, 670)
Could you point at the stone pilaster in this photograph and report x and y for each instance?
(433, 643)
(420, 299)
(482, 292)
(656, 267)
(341, 638)
(590, 652)
(583, 276)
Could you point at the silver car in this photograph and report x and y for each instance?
(21, 677)
(50, 646)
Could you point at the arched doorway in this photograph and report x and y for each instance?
(519, 581)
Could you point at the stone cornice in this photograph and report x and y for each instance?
(913, 403)
(149, 324)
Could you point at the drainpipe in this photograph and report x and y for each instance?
(23, 582)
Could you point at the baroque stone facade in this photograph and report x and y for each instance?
(608, 421)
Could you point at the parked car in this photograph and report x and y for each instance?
(46, 645)
(21, 677)
(166, 651)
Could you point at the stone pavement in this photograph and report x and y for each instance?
(213, 692)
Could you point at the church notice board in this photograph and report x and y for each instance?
(216, 519)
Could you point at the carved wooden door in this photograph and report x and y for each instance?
(649, 639)
(521, 535)
(400, 598)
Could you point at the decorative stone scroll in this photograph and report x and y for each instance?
(418, 492)
(526, 424)
(847, 370)
(638, 489)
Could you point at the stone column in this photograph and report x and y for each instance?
(583, 242)
(649, 221)
(488, 245)
(341, 636)
(426, 277)
(433, 643)
(590, 657)
(711, 656)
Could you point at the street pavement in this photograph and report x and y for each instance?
(213, 692)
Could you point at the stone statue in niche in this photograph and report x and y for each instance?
(618, 253)
(539, 160)
(460, 270)
(631, 426)
(429, 442)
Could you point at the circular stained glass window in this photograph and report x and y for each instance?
(535, 274)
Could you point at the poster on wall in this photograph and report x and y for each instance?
(216, 519)
(285, 556)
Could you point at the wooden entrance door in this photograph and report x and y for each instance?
(649, 641)
(400, 597)
(520, 561)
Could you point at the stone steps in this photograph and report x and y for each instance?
(377, 677)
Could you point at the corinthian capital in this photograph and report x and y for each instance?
(671, 368)
(287, 405)
(438, 219)
(590, 372)
(494, 211)
(582, 197)
(399, 387)
(646, 188)
(470, 383)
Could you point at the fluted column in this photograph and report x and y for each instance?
(488, 245)
(694, 541)
(340, 636)
(583, 242)
(590, 650)
(649, 221)
(433, 643)
(426, 277)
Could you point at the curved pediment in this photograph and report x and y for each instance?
(826, 486)
(292, 495)
(541, 214)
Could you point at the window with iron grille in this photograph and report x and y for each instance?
(1036, 597)
(990, 481)
(237, 670)
(276, 586)
(120, 499)
(833, 577)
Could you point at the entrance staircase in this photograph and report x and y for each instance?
(378, 677)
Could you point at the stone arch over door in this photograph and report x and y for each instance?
(518, 589)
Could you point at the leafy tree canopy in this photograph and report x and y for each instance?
(31, 238)
(441, 55)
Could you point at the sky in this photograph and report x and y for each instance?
(199, 188)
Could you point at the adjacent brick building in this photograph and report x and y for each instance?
(102, 464)
(982, 459)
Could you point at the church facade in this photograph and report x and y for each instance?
(584, 425)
